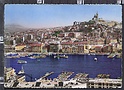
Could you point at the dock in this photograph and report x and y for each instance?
(64, 75)
(46, 75)
(81, 75)
(103, 76)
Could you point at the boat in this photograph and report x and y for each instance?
(57, 56)
(37, 56)
(88, 54)
(95, 59)
(21, 71)
(22, 62)
(92, 54)
(38, 60)
(61, 56)
(42, 56)
(31, 57)
(111, 56)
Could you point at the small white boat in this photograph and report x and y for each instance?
(21, 62)
(31, 57)
(21, 71)
(61, 56)
(55, 56)
(64, 56)
(95, 59)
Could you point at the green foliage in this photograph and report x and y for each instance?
(56, 33)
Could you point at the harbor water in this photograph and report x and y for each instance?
(74, 63)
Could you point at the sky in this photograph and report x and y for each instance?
(45, 16)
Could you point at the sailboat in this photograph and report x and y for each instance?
(21, 71)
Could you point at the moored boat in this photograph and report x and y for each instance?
(61, 56)
(21, 71)
(37, 56)
(21, 62)
(111, 56)
(95, 59)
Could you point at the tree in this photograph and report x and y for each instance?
(56, 33)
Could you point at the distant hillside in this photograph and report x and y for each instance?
(14, 28)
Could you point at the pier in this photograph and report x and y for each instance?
(81, 75)
(46, 75)
(64, 76)
(103, 76)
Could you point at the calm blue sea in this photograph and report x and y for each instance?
(75, 63)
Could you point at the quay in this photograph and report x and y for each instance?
(103, 76)
(46, 75)
(64, 75)
(81, 75)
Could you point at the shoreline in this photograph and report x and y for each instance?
(53, 53)
(23, 54)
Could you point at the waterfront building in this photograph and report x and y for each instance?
(36, 47)
(19, 47)
(66, 45)
(105, 83)
(99, 42)
(91, 42)
(67, 49)
(44, 49)
(86, 48)
(9, 48)
(80, 48)
(98, 49)
(74, 49)
(54, 47)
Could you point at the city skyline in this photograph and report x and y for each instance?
(46, 16)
